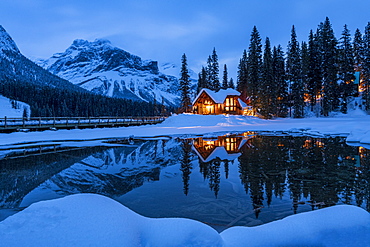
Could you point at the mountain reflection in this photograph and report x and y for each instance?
(303, 172)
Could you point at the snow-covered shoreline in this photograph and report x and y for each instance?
(355, 127)
(95, 220)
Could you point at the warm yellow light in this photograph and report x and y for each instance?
(307, 144)
(319, 144)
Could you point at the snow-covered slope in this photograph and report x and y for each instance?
(104, 69)
(6, 42)
(174, 70)
(13, 109)
(14, 67)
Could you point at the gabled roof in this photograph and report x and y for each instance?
(218, 97)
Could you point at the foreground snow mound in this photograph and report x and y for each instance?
(94, 220)
(336, 226)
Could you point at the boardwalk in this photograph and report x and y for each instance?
(8, 125)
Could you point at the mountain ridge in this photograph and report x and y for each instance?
(49, 95)
(102, 68)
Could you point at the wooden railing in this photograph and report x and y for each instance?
(43, 123)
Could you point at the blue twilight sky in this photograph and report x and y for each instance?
(163, 30)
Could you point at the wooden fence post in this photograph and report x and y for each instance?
(5, 122)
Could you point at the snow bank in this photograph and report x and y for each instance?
(94, 220)
(7, 110)
(341, 225)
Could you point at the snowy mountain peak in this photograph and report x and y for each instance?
(6, 42)
(102, 68)
(97, 56)
(81, 43)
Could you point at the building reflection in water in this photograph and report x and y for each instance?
(316, 172)
(222, 147)
(213, 151)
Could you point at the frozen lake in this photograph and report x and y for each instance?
(247, 179)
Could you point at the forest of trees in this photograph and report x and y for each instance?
(48, 101)
(316, 77)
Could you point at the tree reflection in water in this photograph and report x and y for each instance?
(245, 179)
(319, 172)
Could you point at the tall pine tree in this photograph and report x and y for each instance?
(202, 80)
(185, 85)
(346, 68)
(213, 71)
(358, 50)
(254, 68)
(267, 89)
(231, 84)
(366, 68)
(242, 78)
(294, 75)
(305, 67)
(278, 71)
(328, 44)
(314, 78)
(225, 82)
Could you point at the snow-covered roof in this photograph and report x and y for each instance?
(242, 103)
(218, 97)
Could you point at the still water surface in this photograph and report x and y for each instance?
(247, 179)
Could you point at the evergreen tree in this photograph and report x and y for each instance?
(358, 50)
(346, 68)
(202, 80)
(267, 88)
(305, 63)
(366, 68)
(213, 72)
(327, 44)
(358, 55)
(209, 78)
(254, 68)
(278, 71)
(185, 85)
(242, 80)
(231, 84)
(225, 82)
(294, 75)
(314, 77)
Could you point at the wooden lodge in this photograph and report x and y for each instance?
(225, 101)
